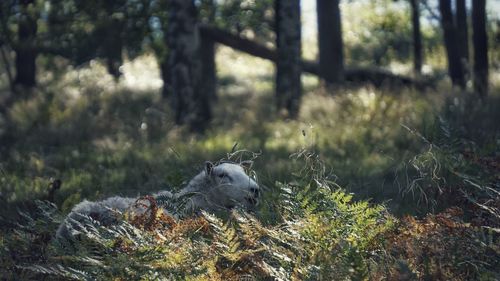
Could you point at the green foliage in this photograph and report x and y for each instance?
(321, 233)
(339, 235)
(380, 32)
(85, 30)
(383, 34)
(451, 169)
(252, 18)
(102, 139)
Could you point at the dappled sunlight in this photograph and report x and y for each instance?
(361, 132)
(358, 131)
(25, 113)
(351, 117)
(141, 74)
(376, 160)
(93, 76)
(235, 65)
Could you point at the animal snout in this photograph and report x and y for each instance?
(253, 197)
(255, 191)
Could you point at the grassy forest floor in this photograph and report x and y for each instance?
(433, 155)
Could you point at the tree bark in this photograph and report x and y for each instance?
(191, 107)
(26, 52)
(480, 41)
(209, 76)
(207, 53)
(450, 41)
(113, 46)
(288, 69)
(238, 42)
(165, 77)
(417, 36)
(331, 55)
(462, 33)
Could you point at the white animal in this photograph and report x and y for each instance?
(217, 187)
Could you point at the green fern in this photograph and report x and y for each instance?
(449, 168)
(321, 234)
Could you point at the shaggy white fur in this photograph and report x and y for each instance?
(217, 187)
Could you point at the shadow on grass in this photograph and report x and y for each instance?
(101, 142)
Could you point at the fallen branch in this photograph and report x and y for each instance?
(374, 75)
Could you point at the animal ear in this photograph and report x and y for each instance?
(247, 164)
(208, 167)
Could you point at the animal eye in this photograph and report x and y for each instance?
(224, 176)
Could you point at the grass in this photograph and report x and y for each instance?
(102, 138)
(380, 152)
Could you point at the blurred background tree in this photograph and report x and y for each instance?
(85, 30)
(330, 43)
(288, 44)
(480, 39)
(454, 47)
(22, 39)
(417, 36)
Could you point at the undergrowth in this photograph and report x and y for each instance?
(101, 138)
(321, 234)
(411, 153)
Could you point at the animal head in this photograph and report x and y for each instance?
(231, 186)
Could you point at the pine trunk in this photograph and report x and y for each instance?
(26, 52)
(331, 58)
(207, 53)
(209, 76)
(480, 41)
(165, 77)
(184, 67)
(288, 84)
(462, 34)
(450, 41)
(417, 36)
(113, 47)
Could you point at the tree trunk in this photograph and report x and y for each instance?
(331, 58)
(462, 35)
(417, 36)
(165, 77)
(183, 40)
(480, 41)
(209, 76)
(207, 53)
(462, 28)
(450, 42)
(26, 52)
(113, 47)
(288, 70)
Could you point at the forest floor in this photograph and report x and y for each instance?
(433, 155)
